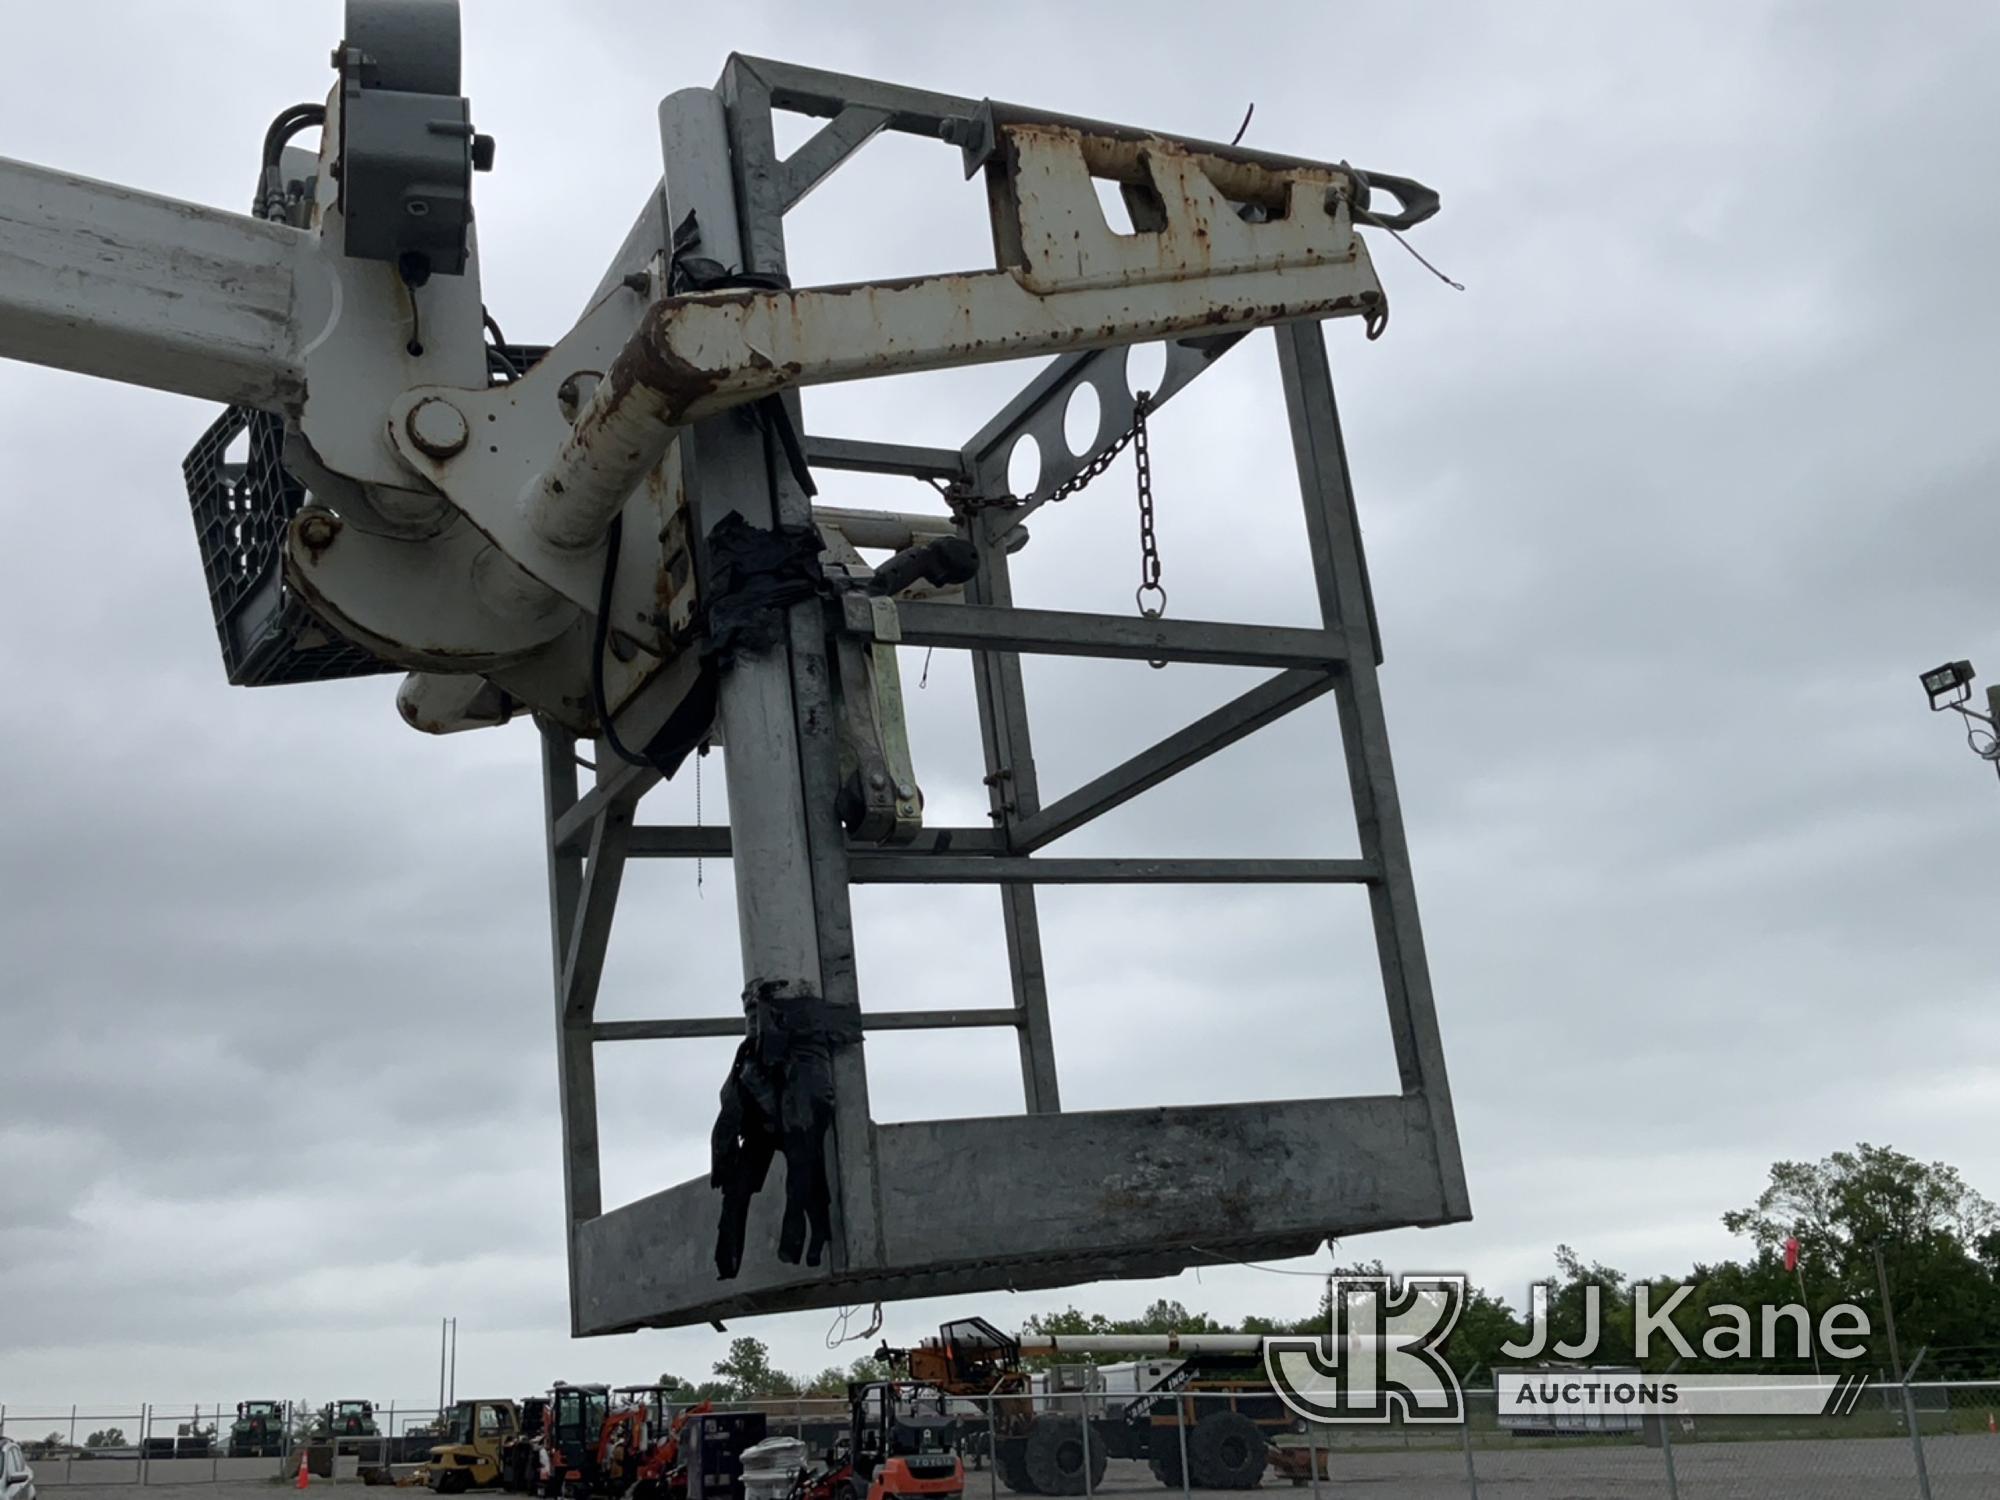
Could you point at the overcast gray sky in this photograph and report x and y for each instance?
(1665, 513)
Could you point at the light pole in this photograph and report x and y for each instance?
(1949, 687)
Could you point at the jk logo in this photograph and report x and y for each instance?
(1381, 1355)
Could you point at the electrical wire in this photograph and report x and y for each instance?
(416, 344)
(497, 350)
(1456, 286)
(700, 754)
(1230, 1260)
(600, 638)
(837, 1334)
(1978, 727)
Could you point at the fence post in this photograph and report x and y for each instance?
(1083, 1426)
(69, 1457)
(1916, 1435)
(1667, 1442)
(992, 1452)
(1465, 1435)
(145, 1438)
(1180, 1432)
(1312, 1454)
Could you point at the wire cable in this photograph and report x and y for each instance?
(837, 1334)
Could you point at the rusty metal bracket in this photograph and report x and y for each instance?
(1066, 281)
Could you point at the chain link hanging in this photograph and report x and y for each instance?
(1150, 596)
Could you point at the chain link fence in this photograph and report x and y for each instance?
(193, 1443)
(1924, 1441)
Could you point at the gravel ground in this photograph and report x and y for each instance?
(1961, 1467)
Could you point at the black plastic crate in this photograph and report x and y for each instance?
(242, 503)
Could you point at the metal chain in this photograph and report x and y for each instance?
(1150, 596)
(1149, 543)
(1104, 460)
(961, 499)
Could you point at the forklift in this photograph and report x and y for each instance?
(903, 1439)
(474, 1453)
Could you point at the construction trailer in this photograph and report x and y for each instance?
(615, 533)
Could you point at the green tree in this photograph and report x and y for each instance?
(1483, 1326)
(1166, 1316)
(1939, 1241)
(832, 1381)
(746, 1372)
(107, 1437)
(1069, 1320)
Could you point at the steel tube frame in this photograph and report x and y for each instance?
(1333, 535)
(881, 868)
(1013, 793)
(713, 1026)
(1058, 632)
(645, 1264)
(1264, 704)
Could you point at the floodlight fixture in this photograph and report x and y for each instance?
(1948, 685)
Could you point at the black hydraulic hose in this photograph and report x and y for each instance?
(289, 123)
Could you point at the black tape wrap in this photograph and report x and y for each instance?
(779, 1097)
(755, 576)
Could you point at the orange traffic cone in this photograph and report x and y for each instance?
(305, 1475)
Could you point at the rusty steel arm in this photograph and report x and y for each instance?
(1065, 282)
(1113, 150)
(695, 356)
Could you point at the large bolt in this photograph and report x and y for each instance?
(317, 529)
(437, 427)
(575, 392)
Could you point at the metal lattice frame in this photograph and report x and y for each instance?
(1249, 1180)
